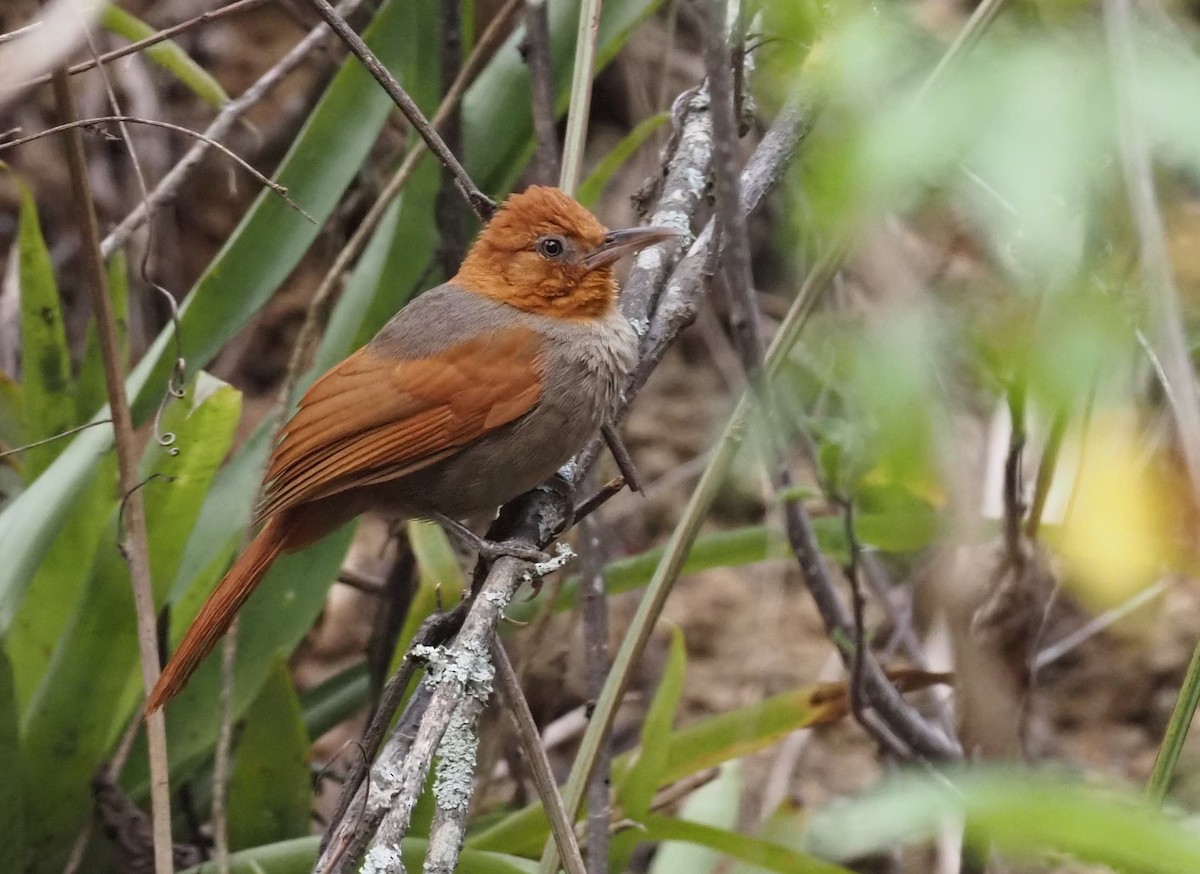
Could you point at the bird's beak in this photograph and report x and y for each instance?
(618, 244)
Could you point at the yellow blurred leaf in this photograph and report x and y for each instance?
(1118, 534)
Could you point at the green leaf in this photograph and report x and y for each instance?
(637, 783)
(1018, 812)
(695, 748)
(726, 736)
(593, 186)
(333, 701)
(58, 585)
(200, 429)
(274, 621)
(166, 54)
(12, 803)
(45, 359)
(441, 581)
(636, 788)
(88, 690)
(755, 851)
(712, 810)
(270, 788)
(297, 857)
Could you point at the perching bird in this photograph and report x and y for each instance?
(477, 391)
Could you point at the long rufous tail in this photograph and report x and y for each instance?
(218, 611)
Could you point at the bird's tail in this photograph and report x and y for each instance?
(218, 611)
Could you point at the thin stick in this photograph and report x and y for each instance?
(223, 755)
(59, 436)
(541, 84)
(483, 205)
(594, 609)
(179, 129)
(133, 545)
(581, 95)
(535, 755)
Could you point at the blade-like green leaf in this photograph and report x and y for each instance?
(765, 855)
(593, 186)
(12, 803)
(335, 700)
(713, 811)
(275, 620)
(637, 783)
(694, 748)
(270, 788)
(199, 431)
(45, 359)
(166, 54)
(84, 696)
(297, 857)
(60, 579)
(1019, 812)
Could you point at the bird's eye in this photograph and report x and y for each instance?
(551, 247)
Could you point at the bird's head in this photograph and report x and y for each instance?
(543, 252)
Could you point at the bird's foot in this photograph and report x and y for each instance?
(489, 550)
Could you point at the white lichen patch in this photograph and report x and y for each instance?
(455, 773)
(382, 860)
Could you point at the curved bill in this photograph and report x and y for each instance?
(618, 244)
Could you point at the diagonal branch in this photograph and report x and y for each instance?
(483, 205)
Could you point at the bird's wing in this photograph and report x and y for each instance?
(374, 418)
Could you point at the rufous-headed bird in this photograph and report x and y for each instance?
(477, 391)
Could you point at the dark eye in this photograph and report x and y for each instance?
(551, 247)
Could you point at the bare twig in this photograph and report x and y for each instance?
(68, 433)
(536, 49)
(483, 205)
(134, 543)
(594, 609)
(229, 115)
(581, 95)
(535, 755)
(150, 122)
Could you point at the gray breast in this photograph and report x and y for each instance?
(585, 366)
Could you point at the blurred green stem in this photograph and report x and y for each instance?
(581, 95)
(1176, 733)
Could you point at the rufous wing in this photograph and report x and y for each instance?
(374, 418)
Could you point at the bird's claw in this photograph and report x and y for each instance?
(490, 550)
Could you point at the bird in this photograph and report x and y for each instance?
(474, 393)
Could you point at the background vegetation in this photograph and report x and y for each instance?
(975, 284)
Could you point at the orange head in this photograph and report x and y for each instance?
(545, 253)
